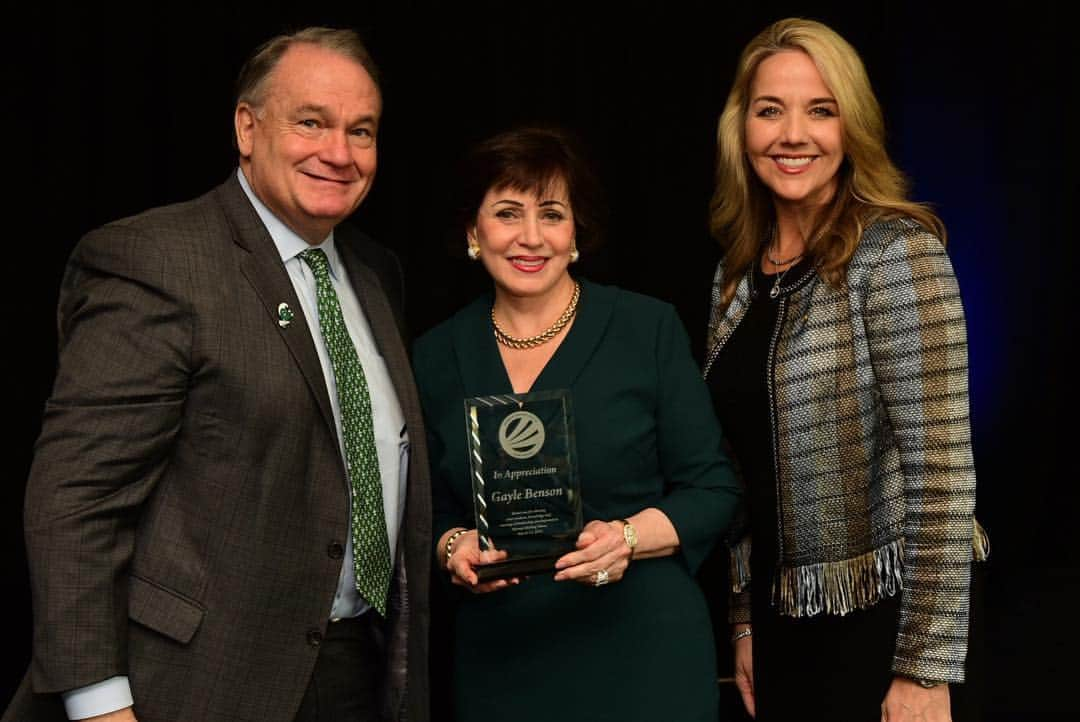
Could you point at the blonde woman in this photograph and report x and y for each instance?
(837, 360)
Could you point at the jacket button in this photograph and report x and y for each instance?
(314, 637)
(335, 550)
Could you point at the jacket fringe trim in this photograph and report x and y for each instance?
(980, 543)
(740, 565)
(840, 587)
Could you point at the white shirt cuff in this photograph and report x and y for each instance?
(102, 697)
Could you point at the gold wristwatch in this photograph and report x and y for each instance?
(629, 535)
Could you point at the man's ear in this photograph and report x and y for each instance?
(244, 123)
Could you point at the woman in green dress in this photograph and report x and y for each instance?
(620, 629)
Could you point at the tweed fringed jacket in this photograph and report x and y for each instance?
(871, 445)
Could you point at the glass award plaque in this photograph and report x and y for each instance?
(526, 492)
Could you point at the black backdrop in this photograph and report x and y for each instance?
(112, 112)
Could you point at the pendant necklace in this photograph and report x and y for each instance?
(775, 290)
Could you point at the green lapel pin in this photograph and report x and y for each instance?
(285, 315)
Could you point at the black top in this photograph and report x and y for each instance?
(738, 381)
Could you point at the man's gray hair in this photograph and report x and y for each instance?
(252, 81)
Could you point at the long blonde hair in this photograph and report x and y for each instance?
(869, 186)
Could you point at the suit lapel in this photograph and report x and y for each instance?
(384, 328)
(261, 265)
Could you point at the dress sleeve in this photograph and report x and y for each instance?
(701, 489)
(432, 383)
(918, 347)
(125, 331)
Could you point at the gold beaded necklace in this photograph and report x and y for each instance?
(544, 336)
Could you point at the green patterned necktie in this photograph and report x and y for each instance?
(371, 551)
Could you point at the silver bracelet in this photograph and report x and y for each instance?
(741, 635)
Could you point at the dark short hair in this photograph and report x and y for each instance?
(251, 83)
(530, 159)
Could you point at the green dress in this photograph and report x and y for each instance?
(638, 649)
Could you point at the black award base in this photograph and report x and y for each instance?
(516, 568)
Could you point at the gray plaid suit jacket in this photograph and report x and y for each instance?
(187, 496)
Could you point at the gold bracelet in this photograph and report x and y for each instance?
(629, 532)
(450, 543)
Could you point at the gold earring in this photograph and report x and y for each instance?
(473, 251)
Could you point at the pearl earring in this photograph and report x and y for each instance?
(474, 252)
(574, 255)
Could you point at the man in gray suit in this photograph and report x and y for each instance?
(228, 514)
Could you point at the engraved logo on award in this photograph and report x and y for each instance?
(526, 493)
(521, 434)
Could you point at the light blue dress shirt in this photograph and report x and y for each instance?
(391, 437)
